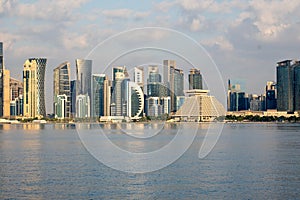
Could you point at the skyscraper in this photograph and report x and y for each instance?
(73, 98)
(297, 86)
(6, 93)
(237, 99)
(34, 94)
(138, 77)
(195, 79)
(176, 87)
(60, 103)
(1, 79)
(135, 101)
(155, 88)
(117, 96)
(167, 65)
(173, 79)
(83, 106)
(271, 99)
(16, 88)
(101, 95)
(285, 86)
(83, 84)
(61, 86)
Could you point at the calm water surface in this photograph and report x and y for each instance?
(250, 161)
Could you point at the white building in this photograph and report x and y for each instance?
(199, 106)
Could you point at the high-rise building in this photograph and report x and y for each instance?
(34, 94)
(135, 101)
(166, 104)
(16, 88)
(167, 65)
(271, 96)
(174, 80)
(195, 79)
(285, 86)
(1, 79)
(119, 69)
(101, 95)
(73, 98)
(83, 83)
(154, 108)
(297, 86)
(176, 87)
(16, 106)
(117, 102)
(6, 93)
(237, 99)
(138, 76)
(60, 103)
(155, 88)
(61, 90)
(83, 106)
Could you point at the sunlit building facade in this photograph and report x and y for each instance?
(1, 79)
(34, 92)
(83, 83)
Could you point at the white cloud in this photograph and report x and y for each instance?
(165, 5)
(117, 13)
(219, 43)
(271, 18)
(191, 5)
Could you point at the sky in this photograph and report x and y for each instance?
(245, 39)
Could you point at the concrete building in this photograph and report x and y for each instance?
(6, 93)
(4, 87)
(16, 88)
(34, 91)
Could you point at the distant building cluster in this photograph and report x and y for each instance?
(96, 97)
(281, 96)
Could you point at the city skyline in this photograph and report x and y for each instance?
(84, 72)
(246, 37)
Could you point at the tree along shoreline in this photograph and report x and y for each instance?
(257, 118)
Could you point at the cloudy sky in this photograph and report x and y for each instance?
(244, 38)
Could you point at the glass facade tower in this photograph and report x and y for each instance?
(285, 89)
(83, 84)
(61, 86)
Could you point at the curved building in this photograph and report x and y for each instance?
(34, 89)
(135, 101)
(83, 79)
